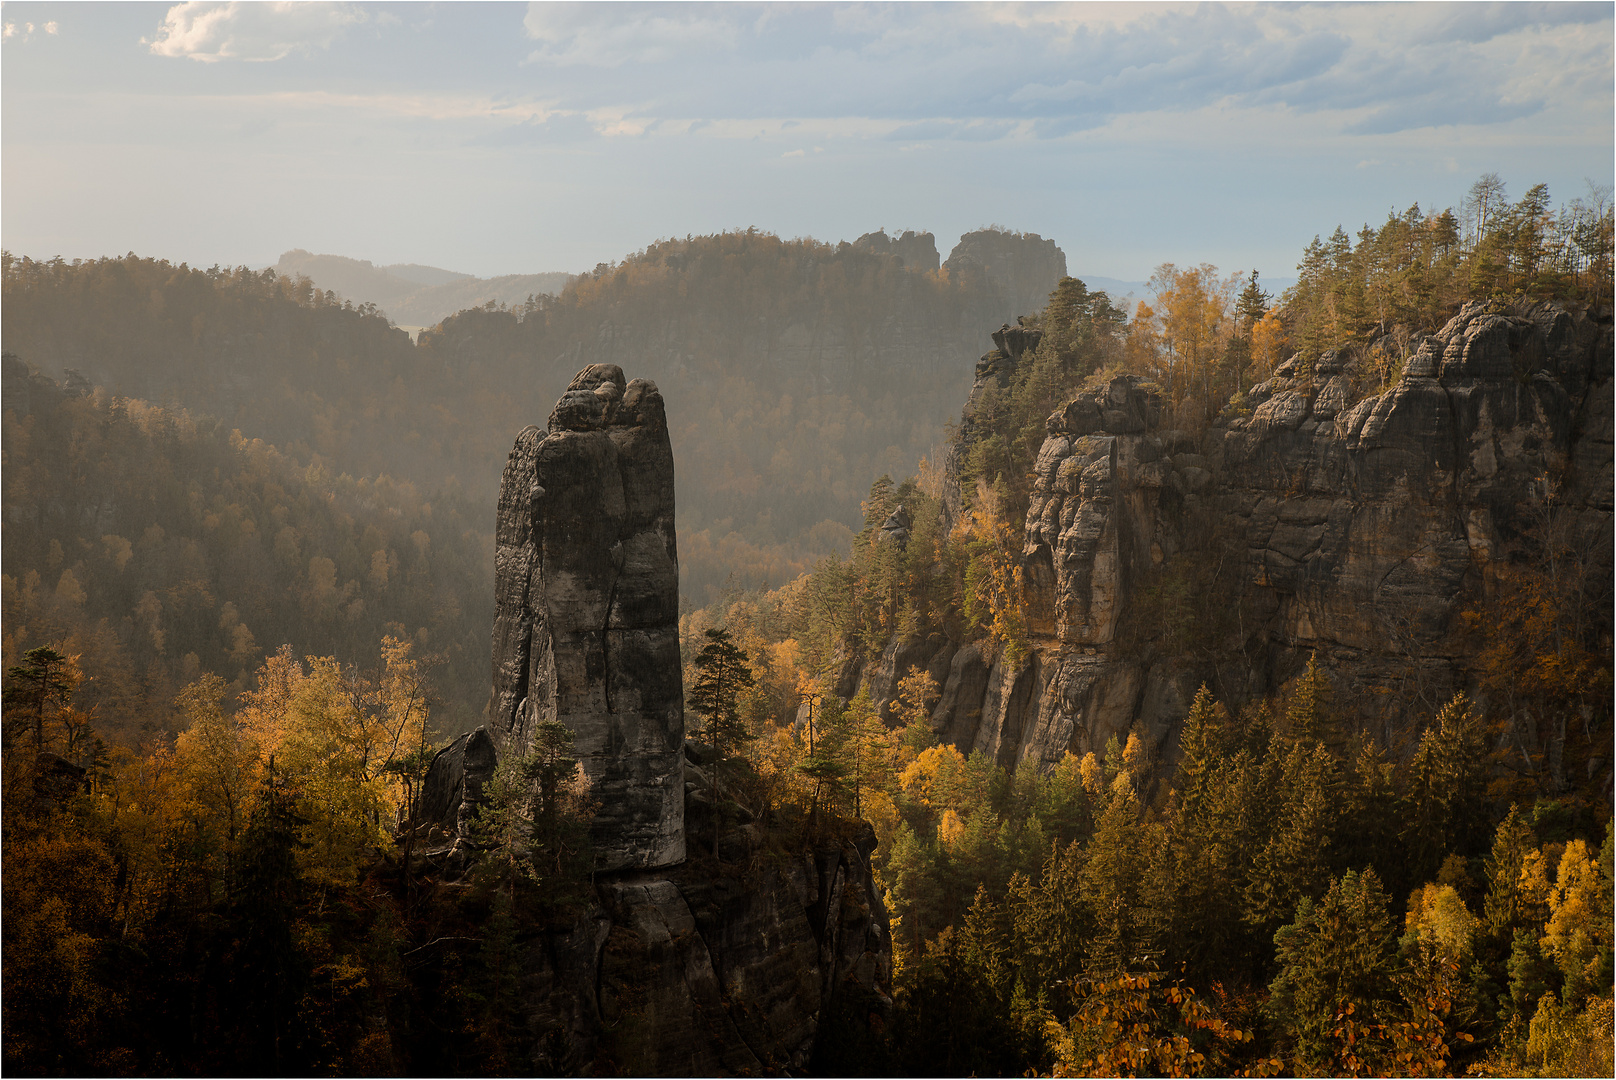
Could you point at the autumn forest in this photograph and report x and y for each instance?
(249, 570)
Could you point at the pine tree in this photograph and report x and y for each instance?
(722, 672)
(35, 692)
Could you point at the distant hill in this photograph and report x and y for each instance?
(411, 294)
(795, 372)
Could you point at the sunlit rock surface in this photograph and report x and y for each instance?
(1356, 526)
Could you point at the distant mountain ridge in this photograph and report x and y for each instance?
(412, 294)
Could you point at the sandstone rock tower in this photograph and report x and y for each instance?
(586, 595)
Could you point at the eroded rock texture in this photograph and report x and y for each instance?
(1356, 527)
(692, 973)
(709, 967)
(587, 608)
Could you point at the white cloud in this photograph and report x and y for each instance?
(210, 31)
(1001, 71)
(611, 35)
(26, 30)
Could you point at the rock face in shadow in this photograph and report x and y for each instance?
(736, 963)
(1356, 527)
(710, 971)
(587, 609)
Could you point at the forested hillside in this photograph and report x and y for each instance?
(161, 547)
(1326, 859)
(794, 370)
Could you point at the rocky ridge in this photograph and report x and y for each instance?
(1354, 526)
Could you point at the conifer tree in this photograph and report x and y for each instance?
(35, 692)
(1111, 882)
(1296, 858)
(1445, 790)
(722, 672)
(1370, 819)
(1309, 716)
(1336, 959)
(1511, 843)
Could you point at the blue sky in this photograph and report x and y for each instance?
(508, 138)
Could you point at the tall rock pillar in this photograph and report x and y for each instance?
(586, 624)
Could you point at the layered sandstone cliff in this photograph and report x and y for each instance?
(587, 609)
(1355, 525)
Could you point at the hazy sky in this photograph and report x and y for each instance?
(502, 138)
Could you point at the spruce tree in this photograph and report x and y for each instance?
(1337, 959)
(1511, 843)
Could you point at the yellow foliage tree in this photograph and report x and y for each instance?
(1578, 933)
(995, 597)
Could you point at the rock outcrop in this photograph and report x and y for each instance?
(917, 250)
(702, 973)
(587, 609)
(735, 964)
(1023, 268)
(1357, 527)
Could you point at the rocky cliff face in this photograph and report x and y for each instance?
(704, 973)
(1357, 527)
(587, 608)
(917, 250)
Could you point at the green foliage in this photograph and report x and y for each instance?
(1082, 335)
(535, 818)
(722, 674)
(1446, 788)
(1417, 268)
(36, 692)
(1303, 781)
(1336, 959)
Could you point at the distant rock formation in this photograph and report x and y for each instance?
(586, 615)
(917, 250)
(1023, 268)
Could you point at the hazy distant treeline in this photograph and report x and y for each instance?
(793, 370)
(162, 546)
